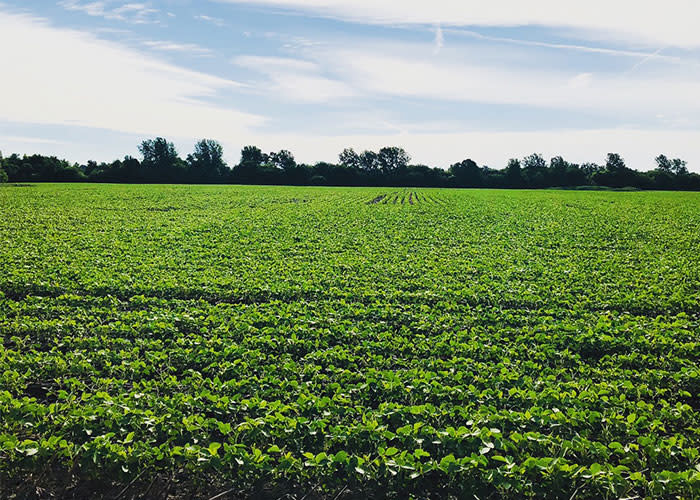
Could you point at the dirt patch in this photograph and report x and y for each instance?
(161, 209)
(377, 199)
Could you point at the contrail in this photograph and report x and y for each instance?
(439, 39)
(650, 56)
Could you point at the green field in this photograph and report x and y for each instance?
(278, 342)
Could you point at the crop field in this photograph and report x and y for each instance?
(277, 342)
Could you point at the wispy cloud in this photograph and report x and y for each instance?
(411, 71)
(294, 79)
(569, 47)
(645, 60)
(672, 22)
(216, 21)
(135, 13)
(107, 85)
(28, 140)
(168, 46)
(439, 42)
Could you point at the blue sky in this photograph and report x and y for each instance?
(446, 79)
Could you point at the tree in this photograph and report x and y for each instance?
(369, 161)
(616, 174)
(514, 173)
(388, 167)
(663, 163)
(466, 173)
(158, 153)
(207, 161)
(3, 175)
(535, 170)
(252, 157)
(589, 169)
(249, 168)
(161, 161)
(559, 170)
(679, 167)
(534, 161)
(675, 166)
(514, 167)
(350, 159)
(284, 160)
(131, 167)
(615, 163)
(392, 159)
(558, 164)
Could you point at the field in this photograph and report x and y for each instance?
(275, 342)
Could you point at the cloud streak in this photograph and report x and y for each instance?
(401, 71)
(439, 41)
(169, 46)
(135, 13)
(106, 85)
(569, 47)
(294, 79)
(216, 21)
(672, 22)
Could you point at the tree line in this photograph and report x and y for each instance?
(390, 166)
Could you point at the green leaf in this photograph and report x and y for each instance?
(214, 448)
(421, 453)
(341, 457)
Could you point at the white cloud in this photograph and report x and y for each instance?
(270, 64)
(570, 47)
(581, 81)
(168, 46)
(671, 22)
(294, 79)
(6, 139)
(136, 13)
(466, 76)
(66, 77)
(439, 42)
(216, 21)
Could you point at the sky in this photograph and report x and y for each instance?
(445, 79)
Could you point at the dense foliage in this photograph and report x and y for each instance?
(390, 166)
(182, 342)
